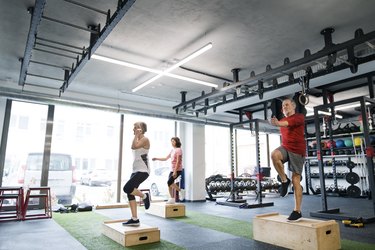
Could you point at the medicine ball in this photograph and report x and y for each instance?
(331, 143)
(348, 143)
(340, 144)
(357, 142)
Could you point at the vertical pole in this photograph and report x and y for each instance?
(257, 150)
(369, 151)
(4, 137)
(47, 146)
(320, 161)
(119, 171)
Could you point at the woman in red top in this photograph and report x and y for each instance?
(292, 150)
(176, 168)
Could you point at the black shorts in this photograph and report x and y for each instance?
(171, 179)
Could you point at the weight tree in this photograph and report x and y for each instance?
(255, 125)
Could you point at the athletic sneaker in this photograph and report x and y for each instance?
(294, 216)
(182, 195)
(131, 222)
(146, 201)
(283, 190)
(171, 201)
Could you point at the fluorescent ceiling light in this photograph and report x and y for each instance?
(322, 112)
(325, 113)
(350, 106)
(140, 67)
(126, 64)
(185, 60)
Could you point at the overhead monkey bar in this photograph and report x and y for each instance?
(36, 17)
(97, 36)
(224, 98)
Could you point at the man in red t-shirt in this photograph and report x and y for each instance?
(292, 150)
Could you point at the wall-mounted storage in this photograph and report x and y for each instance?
(359, 162)
(344, 162)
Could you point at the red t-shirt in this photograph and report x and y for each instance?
(293, 136)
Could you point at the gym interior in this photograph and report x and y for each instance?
(76, 76)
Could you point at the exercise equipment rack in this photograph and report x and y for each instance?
(335, 213)
(254, 125)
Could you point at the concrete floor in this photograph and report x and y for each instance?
(46, 234)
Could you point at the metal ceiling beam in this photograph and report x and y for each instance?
(36, 17)
(271, 74)
(122, 9)
(289, 89)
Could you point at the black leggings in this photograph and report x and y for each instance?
(171, 178)
(135, 180)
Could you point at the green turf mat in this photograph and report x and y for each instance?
(355, 245)
(221, 224)
(86, 228)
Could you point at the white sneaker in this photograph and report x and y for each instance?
(171, 201)
(182, 194)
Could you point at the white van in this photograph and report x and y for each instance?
(61, 177)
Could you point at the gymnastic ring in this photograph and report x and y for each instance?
(306, 99)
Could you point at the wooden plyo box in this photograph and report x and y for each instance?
(304, 234)
(164, 210)
(109, 206)
(128, 235)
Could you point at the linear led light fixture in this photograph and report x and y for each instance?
(185, 60)
(323, 113)
(350, 106)
(126, 64)
(140, 67)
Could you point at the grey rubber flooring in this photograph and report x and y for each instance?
(46, 234)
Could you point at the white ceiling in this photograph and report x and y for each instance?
(246, 34)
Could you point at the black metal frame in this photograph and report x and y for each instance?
(334, 213)
(228, 94)
(232, 199)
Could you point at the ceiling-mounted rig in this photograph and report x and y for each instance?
(283, 80)
(78, 54)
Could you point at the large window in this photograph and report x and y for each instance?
(218, 154)
(159, 132)
(26, 135)
(90, 138)
(85, 145)
(217, 150)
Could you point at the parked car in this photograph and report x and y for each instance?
(157, 181)
(97, 177)
(61, 176)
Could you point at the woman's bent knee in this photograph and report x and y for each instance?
(128, 188)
